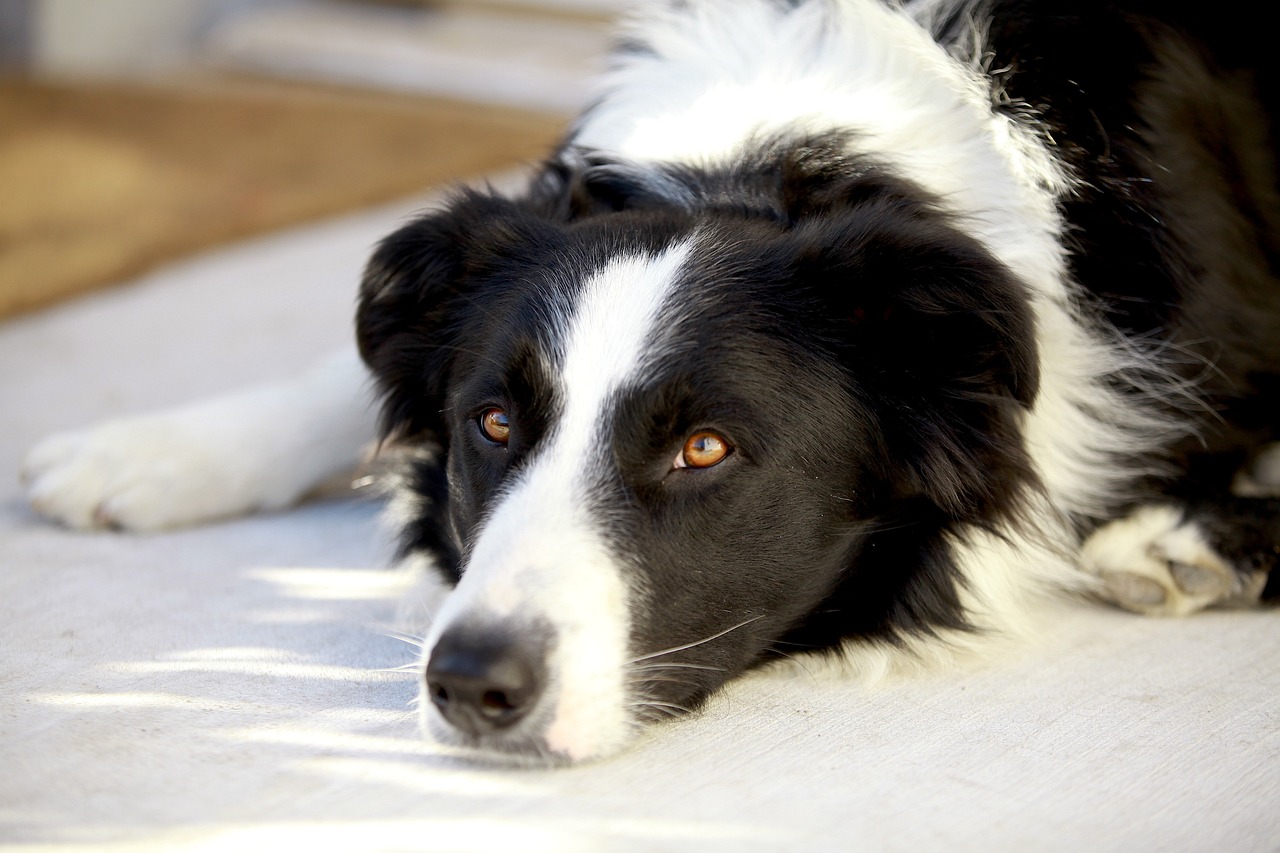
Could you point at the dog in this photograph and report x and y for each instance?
(847, 328)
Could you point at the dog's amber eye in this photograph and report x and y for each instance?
(495, 425)
(702, 450)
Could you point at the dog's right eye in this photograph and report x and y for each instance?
(703, 450)
(495, 426)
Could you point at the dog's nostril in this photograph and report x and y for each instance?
(496, 702)
(481, 683)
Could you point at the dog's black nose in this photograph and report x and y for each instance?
(482, 682)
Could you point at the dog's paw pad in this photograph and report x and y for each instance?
(1137, 591)
(1201, 580)
(1155, 562)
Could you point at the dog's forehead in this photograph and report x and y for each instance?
(582, 326)
(681, 322)
(618, 323)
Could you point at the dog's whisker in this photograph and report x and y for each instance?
(676, 665)
(405, 667)
(648, 679)
(684, 646)
(657, 715)
(794, 659)
(410, 639)
(668, 708)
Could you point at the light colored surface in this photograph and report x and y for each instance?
(122, 36)
(534, 54)
(226, 687)
(486, 55)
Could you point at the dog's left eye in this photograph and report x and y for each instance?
(495, 425)
(703, 450)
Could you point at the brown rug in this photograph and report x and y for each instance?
(99, 183)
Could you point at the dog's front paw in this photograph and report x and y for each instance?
(1156, 562)
(145, 473)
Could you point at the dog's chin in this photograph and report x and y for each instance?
(540, 741)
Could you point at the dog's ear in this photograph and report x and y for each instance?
(415, 287)
(578, 184)
(940, 337)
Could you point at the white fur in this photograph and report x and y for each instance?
(1153, 561)
(258, 449)
(543, 554)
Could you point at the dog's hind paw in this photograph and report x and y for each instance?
(1155, 561)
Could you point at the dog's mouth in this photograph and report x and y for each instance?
(665, 691)
(526, 695)
(496, 725)
(494, 729)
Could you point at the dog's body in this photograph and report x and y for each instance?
(833, 325)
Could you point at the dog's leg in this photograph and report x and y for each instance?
(262, 448)
(1172, 559)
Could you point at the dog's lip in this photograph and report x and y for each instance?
(515, 749)
(508, 744)
(528, 744)
(524, 741)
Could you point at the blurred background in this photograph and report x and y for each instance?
(133, 132)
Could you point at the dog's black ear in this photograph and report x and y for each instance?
(939, 336)
(410, 297)
(407, 287)
(579, 184)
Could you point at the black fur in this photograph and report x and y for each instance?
(855, 283)
(871, 363)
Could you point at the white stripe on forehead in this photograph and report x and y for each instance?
(542, 554)
(616, 327)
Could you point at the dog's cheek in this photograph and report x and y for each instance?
(736, 569)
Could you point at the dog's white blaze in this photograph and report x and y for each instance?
(542, 553)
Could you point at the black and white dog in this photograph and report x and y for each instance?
(833, 325)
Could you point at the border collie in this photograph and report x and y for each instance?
(836, 326)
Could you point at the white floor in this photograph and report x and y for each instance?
(229, 687)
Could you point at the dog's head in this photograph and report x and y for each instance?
(671, 424)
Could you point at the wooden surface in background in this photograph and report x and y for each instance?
(99, 183)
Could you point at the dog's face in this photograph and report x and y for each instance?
(660, 444)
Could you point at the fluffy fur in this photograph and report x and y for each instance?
(978, 298)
